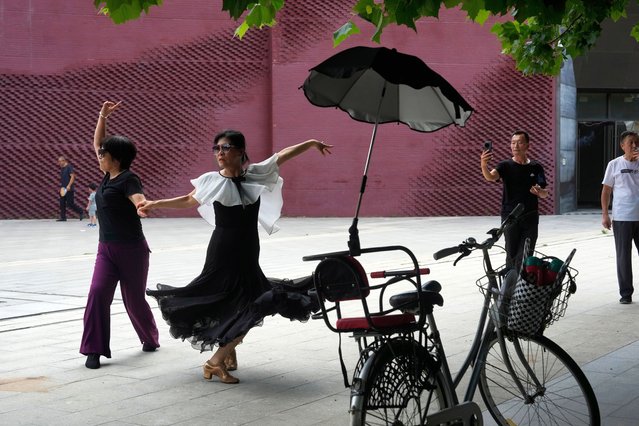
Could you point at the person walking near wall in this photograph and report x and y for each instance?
(524, 182)
(622, 179)
(123, 253)
(67, 190)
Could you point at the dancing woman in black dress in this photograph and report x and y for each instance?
(227, 299)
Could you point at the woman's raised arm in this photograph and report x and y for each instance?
(100, 128)
(295, 150)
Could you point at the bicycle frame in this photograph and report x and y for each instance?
(484, 327)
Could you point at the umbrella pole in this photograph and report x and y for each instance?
(354, 246)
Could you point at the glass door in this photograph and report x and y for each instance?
(596, 146)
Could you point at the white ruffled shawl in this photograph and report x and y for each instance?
(262, 180)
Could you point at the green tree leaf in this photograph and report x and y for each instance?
(345, 31)
(369, 11)
(472, 7)
(497, 7)
(241, 30)
(482, 16)
(430, 8)
(406, 13)
(635, 32)
(121, 11)
(236, 8)
(539, 35)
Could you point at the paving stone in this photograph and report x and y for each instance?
(290, 372)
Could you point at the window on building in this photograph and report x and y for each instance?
(624, 106)
(592, 106)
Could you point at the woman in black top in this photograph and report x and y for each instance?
(123, 254)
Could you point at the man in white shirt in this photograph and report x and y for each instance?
(622, 178)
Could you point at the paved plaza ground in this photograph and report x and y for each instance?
(289, 371)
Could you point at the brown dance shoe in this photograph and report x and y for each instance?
(231, 361)
(220, 371)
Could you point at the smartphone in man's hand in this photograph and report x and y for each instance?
(488, 146)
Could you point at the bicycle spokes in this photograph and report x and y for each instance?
(550, 388)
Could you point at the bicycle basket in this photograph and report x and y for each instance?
(524, 308)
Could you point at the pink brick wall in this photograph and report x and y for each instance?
(183, 78)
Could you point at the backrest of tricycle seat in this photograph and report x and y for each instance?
(341, 278)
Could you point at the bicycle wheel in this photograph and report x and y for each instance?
(398, 385)
(561, 394)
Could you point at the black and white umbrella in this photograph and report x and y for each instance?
(380, 85)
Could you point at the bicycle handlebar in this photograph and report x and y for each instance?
(447, 252)
(471, 244)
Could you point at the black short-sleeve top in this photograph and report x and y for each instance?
(118, 217)
(518, 179)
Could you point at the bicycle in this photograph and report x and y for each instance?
(402, 376)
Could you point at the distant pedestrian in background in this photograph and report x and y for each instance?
(622, 179)
(524, 182)
(67, 190)
(91, 205)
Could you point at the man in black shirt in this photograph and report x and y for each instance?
(523, 182)
(67, 190)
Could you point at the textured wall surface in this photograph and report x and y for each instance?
(183, 78)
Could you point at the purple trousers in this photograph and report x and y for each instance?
(127, 263)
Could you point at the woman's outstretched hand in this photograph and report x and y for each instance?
(323, 147)
(144, 207)
(108, 107)
(295, 150)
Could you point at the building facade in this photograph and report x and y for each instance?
(183, 77)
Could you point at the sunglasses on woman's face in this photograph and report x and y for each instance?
(226, 147)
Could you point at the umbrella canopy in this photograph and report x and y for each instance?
(381, 85)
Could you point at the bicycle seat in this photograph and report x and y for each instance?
(408, 301)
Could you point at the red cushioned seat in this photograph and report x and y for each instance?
(386, 321)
